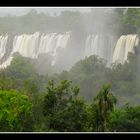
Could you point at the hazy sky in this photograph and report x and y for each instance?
(20, 10)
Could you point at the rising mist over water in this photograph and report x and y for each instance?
(69, 69)
(65, 38)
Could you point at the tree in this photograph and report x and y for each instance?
(15, 111)
(63, 109)
(89, 73)
(125, 119)
(6, 82)
(104, 104)
(19, 73)
(31, 86)
(20, 67)
(130, 21)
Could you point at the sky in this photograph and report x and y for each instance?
(4, 11)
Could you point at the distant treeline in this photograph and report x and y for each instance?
(96, 21)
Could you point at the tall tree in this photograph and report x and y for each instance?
(63, 109)
(104, 104)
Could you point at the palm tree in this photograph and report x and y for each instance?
(105, 102)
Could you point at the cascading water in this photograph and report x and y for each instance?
(55, 44)
(33, 45)
(50, 43)
(104, 47)
(3, 44)
(101, 45)
(26, 45)
(125, 44)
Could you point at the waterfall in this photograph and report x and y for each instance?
(104, 46)
(50, 43)
(125, 44)
(3, 44)
(26, 45)
(101, 45)
(55, 44)
(34, 44)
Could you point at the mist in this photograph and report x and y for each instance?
(19, 11)
(56, 40)
(69, 69)
(58, 32)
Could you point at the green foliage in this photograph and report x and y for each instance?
(31, 86)
(75, 21)
(21, 75)
(103, 105)
(125, 119)
(132, 16)
(129, 21)
(64, 111)
(89, 74)
(38, 119)
(88, 65)
(61, 108)
(6, 82)
(20, 67)
(14, 110)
